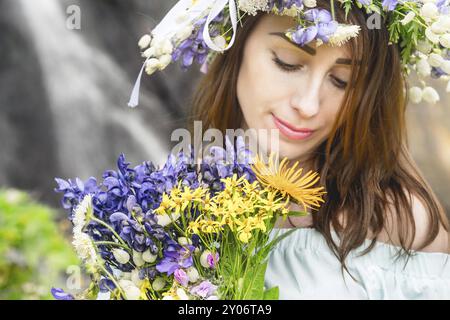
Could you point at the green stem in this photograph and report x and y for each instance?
(98, 243)
(110, 228)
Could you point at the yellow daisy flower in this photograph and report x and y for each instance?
(289, 181)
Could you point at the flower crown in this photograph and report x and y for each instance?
(196, 30)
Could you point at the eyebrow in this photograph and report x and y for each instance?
(309, 49)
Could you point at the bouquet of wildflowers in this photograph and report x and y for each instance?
(184, 231)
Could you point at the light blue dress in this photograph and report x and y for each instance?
(304, 267)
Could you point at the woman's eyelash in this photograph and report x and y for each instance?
(292, 68)
(285, 66)
(339, 83)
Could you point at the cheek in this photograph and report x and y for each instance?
(255, 86)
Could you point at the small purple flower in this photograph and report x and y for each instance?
(204, 289)
(181, 277)
(59, 294)
(175, 257)
(389, 5)
(212, 260)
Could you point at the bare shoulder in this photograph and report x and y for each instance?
(422, 222)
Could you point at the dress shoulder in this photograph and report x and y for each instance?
(303, 266)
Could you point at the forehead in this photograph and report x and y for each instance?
(271, 24)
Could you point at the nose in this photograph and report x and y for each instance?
(306, 99)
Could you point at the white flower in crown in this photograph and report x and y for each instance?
(310, 3)
(253, 6)
(343, 34)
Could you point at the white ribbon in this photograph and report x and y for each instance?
(215, 11)
(192, 10)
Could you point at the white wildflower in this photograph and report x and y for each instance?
(135, 278)
(423, 67)
(137, 259)
(158, 284)
(445, 40)
(145, 41)
(310, 3)
(430, 95)
(132, 292)
(220, 42)
(438, 28)
(435, 60)
(150, 52)
(343, 34)
(184, 241)
(151, 66)
(84, 247)
(182, 294)
(192, 274)
(164, 61)
(424, 47)
(121, 256)
(433, 37)
(82, 214)
(148, 256)
(445, 66)
(185, 33)
(253, 6)
(429, 10)
(291, 12)
(408, 18)
(165, 219)
(415, 94)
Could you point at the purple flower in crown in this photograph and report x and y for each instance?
(194, 48)
(322, 29)
(389, 5)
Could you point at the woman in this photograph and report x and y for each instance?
(340, 110)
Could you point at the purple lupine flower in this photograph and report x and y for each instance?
(181, 277)
(59, 294)
(318, 15)
(75, 191)
(106, 285)
(305, 35)
(176, 257)
(325, 30)
(205, 289)
(389, 5)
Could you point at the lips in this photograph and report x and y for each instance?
(290, 131)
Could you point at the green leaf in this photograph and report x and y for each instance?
(272, 294)
(253, 286)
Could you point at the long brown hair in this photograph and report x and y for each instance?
(364, 164)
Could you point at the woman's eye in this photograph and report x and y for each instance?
(340, 84)
(286, 66)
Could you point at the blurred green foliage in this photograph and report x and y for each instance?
(34, 254)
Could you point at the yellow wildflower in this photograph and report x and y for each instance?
(288, 181)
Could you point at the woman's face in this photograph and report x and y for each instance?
(282, 86)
